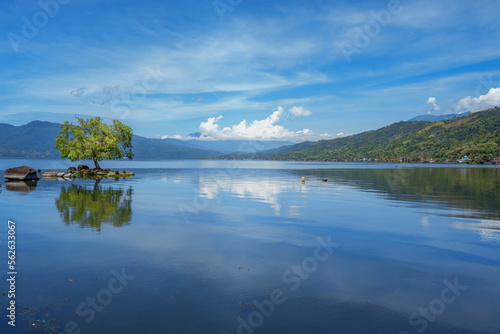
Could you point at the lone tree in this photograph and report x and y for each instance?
(93, 139)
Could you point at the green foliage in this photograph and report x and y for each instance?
(93, 208)
(476, 135)
(93, 139)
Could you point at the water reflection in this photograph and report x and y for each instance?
(24, 186)
(475, 189)
(91, 208)
(489, 230)
(400, 232)
(263, 189)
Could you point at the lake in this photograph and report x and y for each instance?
(246, 247)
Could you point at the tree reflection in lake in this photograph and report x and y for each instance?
(91, 208)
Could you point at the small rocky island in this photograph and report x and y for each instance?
(84, 172)
(26, 173)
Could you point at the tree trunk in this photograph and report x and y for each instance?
(96, 187)
(97, 164)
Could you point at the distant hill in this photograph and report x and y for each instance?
(36, 140)
(157, 149)
(33, 140)
(475, 134)
(229, 146)
(436, 118)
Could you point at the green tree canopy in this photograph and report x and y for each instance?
(93, 139)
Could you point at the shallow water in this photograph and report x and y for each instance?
(218, 246)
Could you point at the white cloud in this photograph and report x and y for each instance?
(433, 106)
(266, 129)
(491, 99)
(299, 111)
(179, 137)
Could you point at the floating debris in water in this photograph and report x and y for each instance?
(39, 321)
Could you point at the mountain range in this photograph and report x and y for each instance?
(443, 137)
(436, 118)
(36, 140)
(476, 135)
(229, 146)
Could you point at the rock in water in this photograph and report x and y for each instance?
(21, 173)
(50, 173)
(71, 170)
(83, 167)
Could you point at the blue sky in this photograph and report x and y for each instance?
(294, 70)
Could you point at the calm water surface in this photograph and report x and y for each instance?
(219, 247)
